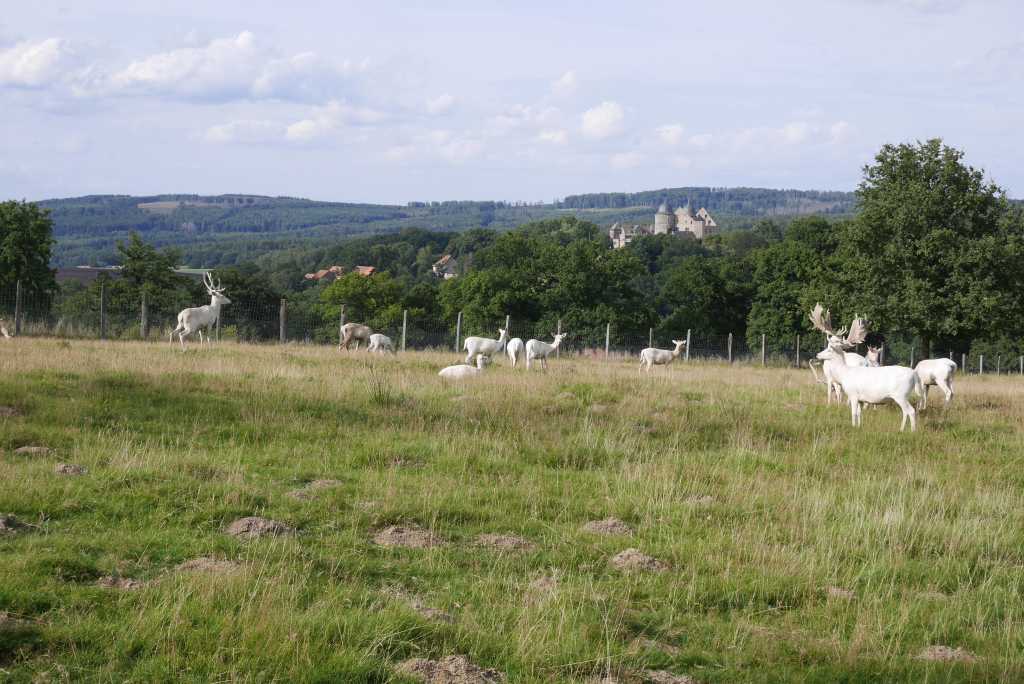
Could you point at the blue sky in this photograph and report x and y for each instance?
(390, 102)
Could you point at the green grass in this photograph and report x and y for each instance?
(926, 530)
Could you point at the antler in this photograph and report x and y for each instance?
(822, 319)
(858, 332)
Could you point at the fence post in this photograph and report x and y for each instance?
(405, 324)
(650, 337)
(881, 356)
(687, 345)
(963, 362)
(458, 331)
(911, 356)
(508, 323)
(981, 364)
(730, 347)
(607, 340)
(144, 323)
(1022, 365)
(17, 309)
(558, 331)
(341, 324)
(103, 311)
(797, 351)
(999, 363)
(282, 318)
(764, 358)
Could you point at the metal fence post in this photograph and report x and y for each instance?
(17, 308)
(687, 345)
(103, 311)
(764, 358)
(458, 331)
(405, 324)
(558, 331)
(144, 322)
(730, 347)
(282, 319)
(797, 351)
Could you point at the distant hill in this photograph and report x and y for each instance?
(228, 229)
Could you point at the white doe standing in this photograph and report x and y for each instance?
(660, 357)
(463, 371)
(354, 332)
(821, 319)
(381, 343)
(537, 350)
(475, 346)
(515, 349)
(199, 317)
(935, 372)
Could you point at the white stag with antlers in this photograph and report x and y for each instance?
(821, 319)
(199, 317)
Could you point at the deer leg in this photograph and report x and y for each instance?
(908, 412)
(948, 390)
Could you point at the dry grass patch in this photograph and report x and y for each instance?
(505, 542)
(609, 526)
(455, 669)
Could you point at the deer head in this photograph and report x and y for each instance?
(215, 291)
(821, 319)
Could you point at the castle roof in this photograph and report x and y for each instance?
(663, 209)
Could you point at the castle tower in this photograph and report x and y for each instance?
(664, 220)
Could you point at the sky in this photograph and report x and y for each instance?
(525, 101)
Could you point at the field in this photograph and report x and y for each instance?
(785, 545)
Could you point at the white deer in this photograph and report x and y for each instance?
(821, 319)
(537, 350)
(935, 372)
(874, 356)
(515, 349)
(199, 317)
(381, 343)
(3, 330)
(463, 371)
(485, 345)
(354, 331)
(660, 357)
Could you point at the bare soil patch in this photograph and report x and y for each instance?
(124, 583)
(11, 525)
(407, 536)
(69, 469)
(10, 412)
(666, 677)
(208, 564)
(607, 526)
(33, 451)
(254, 526)
(947, 654)
(505, 542)
(541, 589)
(632, 560)
(311, 489)
(454, 669)
(419, 606)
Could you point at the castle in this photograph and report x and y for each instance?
(682, 221)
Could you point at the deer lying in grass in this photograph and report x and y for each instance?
(821, 319)
(475, 346)
(537, 350)
(381, 343)
(660, 357)
(515, 349)
(864, 384)
(197, 318)
(935, 372)
(356, 332)
(463, 371)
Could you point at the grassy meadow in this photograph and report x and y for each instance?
(796, 548)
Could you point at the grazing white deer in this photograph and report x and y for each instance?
(3, 330)
(381, 343)
(515, 349)
(821, 319)
(660, 357)
(199, 317)
(537, 350)
(864, 384)
(935, 372)
(463, 371)
(475, 346)
(354, 332)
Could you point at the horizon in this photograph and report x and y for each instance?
(391, 104)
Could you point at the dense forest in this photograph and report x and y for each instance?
(731, 201)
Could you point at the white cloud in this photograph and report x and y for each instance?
(603, 121)
(565, 84)
(522, 116)
(33, 65)
(328, 118)
(795, 133)
(244, 131)
(440, 104)
(555, 136)
(701, 141)
(400, 153)
(670, 134)
(626, 160)
(839, 131)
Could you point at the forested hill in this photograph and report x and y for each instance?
(228, 229)
(733, 201)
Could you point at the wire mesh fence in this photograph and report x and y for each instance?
(91, 315)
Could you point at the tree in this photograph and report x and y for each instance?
(372, 300)
(26, 239)
(936, 251)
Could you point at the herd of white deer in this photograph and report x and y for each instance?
(862, 379)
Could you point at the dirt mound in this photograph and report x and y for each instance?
(126, 583)
(839, 593)
(608, 526)
(207, 564)
(449, 670)
(34, 451)
(541, 590)
(632, 559)
(946, 654)
(254, 526)
(10, 412)
(419, 606)
(665, 677)
(9, 524)
(69, 469)
(407, 536)
(311, 489)
(505, 542)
